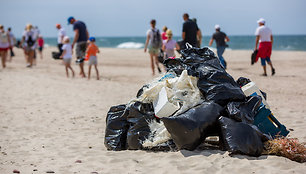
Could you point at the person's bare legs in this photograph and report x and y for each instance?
(69, 66)
(41, 55)
(152, 63)
(97, 71)
(272, 69)
(265, 70)
(89, 69)
(66, 68)
(82, 73)
(30, 57)
(157, 62)
(3, 58)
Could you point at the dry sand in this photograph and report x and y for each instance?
(48, 122)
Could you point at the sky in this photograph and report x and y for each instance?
(132, 17)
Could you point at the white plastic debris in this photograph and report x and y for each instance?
(162, 106)
(251, 89)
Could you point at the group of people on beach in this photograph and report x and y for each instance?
(7, 42)
(158, 43)
(31, 40)
(86, 49)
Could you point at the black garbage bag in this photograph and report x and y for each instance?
(140, 114)
(189, 130)
(116, 128)
(214, 82)
(243, 81)
(240, 138)
(176, 65)
(56, 55)
(244, 111)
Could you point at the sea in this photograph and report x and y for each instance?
(281, 42)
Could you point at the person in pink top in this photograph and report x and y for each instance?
(40, 45)
(164, 35)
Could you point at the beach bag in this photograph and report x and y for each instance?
(253, 57)
(156, 40)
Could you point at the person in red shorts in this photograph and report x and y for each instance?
(5, 44)
(265, 39)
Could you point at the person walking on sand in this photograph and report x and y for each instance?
(67, 55)
(60, 37)
(40, 46)
(80, 40)
(13, 41)
(265, 39)
(170, 45)
(29, 42)
(5, 44)
(154, 43)
(190, 31)
(221, 39)
(91, 53)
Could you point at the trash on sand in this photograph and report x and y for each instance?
(195, 99)
(162, 107)
(251, 89)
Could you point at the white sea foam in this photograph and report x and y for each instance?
(133, 45)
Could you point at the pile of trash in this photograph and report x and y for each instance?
(194, 102)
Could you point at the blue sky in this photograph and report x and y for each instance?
(131, 17)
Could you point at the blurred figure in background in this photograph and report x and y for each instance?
(190, 31)
(170, 45)
(199, 35)
(60, 37)
(29, 43)
(221, 39)
(40, 46)
(5, 44)
(265, 39)
(154, 43)
(13, 42)
(164, 35)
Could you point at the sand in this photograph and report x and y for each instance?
(48, 122)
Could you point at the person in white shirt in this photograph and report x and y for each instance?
(67, 55)
(265, 39)
(60, 36)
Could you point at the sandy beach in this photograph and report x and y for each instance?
(52, 123)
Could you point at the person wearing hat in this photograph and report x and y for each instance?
(60, 36)
(221, 39)
(91, 52)
(170, 45)
(29, 42)
(265, 39)
(5, 44)
(80, 40)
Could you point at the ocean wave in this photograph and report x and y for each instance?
(133, 45)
